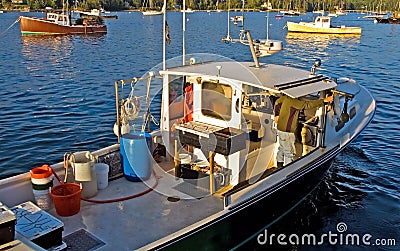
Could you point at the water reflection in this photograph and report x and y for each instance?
(54, 41)
(46, 41)
(320, 41)
(319, 45)
(51, 53)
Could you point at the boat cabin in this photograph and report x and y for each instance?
(218, 118)
(64, 18)
(322, 22)
(58, 18)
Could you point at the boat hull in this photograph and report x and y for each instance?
(388, 20)
(151, 13)
(254, 215)
(303, 27)
(38, 26)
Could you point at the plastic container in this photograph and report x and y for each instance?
(185, 158)
(102, 175)
(35, 225)
(7, 224)
(67, 198)
(42, 180)
(136, 156)
(85, 173)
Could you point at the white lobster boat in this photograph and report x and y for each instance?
(218, 170)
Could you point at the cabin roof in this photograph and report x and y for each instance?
(277, 78)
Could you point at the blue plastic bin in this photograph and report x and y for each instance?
(135, 149)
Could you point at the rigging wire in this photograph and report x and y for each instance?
(16, 21)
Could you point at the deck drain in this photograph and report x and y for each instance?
(173, 199)
(82, 240)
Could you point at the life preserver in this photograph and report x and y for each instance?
(132, 108)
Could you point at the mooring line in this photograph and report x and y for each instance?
(16, 21)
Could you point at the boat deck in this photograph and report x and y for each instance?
(172, 205)
(133, 223)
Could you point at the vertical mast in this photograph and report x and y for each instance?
(243, 13)
(268, 8)
(183, 31)
(229, 25)
(164, 35)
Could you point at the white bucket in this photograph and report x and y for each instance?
(102, 175)
(43, 199)
(83, 163)
(85, 173)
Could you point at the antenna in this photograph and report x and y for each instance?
(219, 67)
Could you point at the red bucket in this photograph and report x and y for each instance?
(67, 198)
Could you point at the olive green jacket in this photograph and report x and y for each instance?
(288, 109)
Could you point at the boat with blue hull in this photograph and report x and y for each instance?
(207, 177)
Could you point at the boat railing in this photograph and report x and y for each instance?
(301, 82)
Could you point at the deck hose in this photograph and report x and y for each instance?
(116, 199)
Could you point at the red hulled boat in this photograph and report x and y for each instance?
(60, 23)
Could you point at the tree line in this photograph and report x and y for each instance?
(119, 5)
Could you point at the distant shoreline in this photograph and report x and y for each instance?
(222, 10)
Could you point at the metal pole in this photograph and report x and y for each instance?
(147, 116)
(229, 24)
(211, 156)
(253, 51)
(164, 22)
(183, 31)
(323, 124)
(117, 109)
(267, 20)
(177, 161)
(243, 14)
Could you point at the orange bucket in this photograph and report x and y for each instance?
(67, 198)
(41, 172)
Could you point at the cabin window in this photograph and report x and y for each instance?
(256, 99)
(176, 85)
(175, 88)
(216, 100)
(352, 112)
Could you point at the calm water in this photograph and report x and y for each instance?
(57, 96)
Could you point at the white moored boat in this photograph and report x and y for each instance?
(151, 13)
(219, 141)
